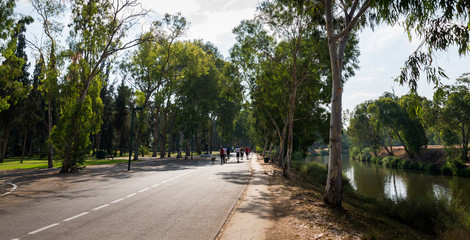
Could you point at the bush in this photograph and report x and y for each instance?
(386, 162)
(366, 154)
(427, 214)
(354, 151)
(455, 166)
(143, 150)
(316, 173)
(414, 166)
(431, 167)
(404, 164)
(446, 169)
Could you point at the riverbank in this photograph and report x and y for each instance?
(433, 159)
(299, 205)
(299, 213)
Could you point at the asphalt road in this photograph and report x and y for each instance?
(157, 199)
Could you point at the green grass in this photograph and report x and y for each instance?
(37, 163)
(11, 164)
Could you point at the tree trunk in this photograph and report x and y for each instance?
(98, 140)
(136, 146)
(31, 145)
(24, 147)
(50, 162)
(169, 145)
(211, 137)
(290, 124)
(180, 146)
(4, 143)
(155, 139)
(465, 137)
(266, 141)
(163, 139)
(333, 192)
(187, 149)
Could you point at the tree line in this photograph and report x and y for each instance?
(415, 121)
(72, 106)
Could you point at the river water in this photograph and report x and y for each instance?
(379, 182)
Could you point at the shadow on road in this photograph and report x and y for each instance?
(37, 179)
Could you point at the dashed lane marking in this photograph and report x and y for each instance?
(118, 200)
(131, 195)
(44, 228)
(100, 207)
(76, 216)
(94, 209)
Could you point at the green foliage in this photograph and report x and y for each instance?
(427, 214)
(449, 113)
(144, 150)
(316, 173)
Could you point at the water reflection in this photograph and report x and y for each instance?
(378, 182)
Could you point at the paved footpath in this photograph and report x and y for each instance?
(252, 217)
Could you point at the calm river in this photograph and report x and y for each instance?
(377, 182)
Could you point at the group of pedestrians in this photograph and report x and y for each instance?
(240, 151)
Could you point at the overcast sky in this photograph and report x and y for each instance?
(383, 51)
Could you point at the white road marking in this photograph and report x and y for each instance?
(100, 207)
(44, 228)
(76, 216)
(118, 200)
(97, 208)
(131, 195)
(12, 189)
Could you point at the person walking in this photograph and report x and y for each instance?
(222, 155)
(237, 150)
(247, 151)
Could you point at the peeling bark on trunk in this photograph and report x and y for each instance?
(50, 162)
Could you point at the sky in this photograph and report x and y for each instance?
(383, 51)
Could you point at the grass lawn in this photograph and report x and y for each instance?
(37, 163)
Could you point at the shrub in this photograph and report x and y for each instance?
(316, 173)
(446, 169)
(144, 150)
(414, 166)
(366, 155)
(426, 214)
(404, 164)
(386, 161)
